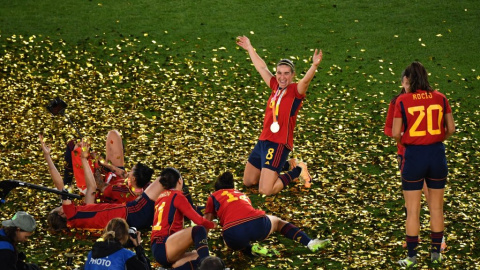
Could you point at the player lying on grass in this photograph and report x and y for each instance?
(242, 224)
(114, 184)
(138, 213)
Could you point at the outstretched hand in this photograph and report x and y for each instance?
(317, 57)
(43, 146)
(85, 147)
(243, 42)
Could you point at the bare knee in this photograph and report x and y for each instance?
(265, 190)
(249, 182)
(113, 133)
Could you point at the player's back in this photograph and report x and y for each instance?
(423, 115)
(232, 205)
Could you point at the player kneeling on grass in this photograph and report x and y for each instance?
(170, 240)
(243, 224)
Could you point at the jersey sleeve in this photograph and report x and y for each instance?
(210, 208)
(70, 210)
(389, 120)
(184, 206)
(448, 109)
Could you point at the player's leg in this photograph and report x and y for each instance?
(269, 182)
(273, 157)
(187, 259)
(251, 174)
(436, 222)
(436, 182)
(413, 174)
(240, 236)
(294, 233)
(179, 242)
(114, 149)
(154, 189)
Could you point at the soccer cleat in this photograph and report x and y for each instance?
(305, 177)
(257, 250)
(408, 262)
(436, 257)
(444, 245)
(317, 244)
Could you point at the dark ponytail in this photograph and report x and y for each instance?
(225, 181)
(169, 177)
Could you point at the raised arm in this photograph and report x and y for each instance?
(305, 81)
(257, 61)
(56, 177)
(89, 178)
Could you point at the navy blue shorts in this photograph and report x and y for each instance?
(270, 155)
(239, 236)
(424, 163)
(159, 251)
(140, 212)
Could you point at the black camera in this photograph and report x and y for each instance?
(132, 232)
(57, 106)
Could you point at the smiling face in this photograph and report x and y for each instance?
(284, 75)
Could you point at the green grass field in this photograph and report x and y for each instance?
(169, 76)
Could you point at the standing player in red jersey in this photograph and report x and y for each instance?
(425, 118)
(243, 224)
(169, 239)
(269, 156)
(400, 148)
(137, 213)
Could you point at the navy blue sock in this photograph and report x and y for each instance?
(199, 236)
(289, 176)
(286, 166)
(412, 243)
(436, 241)
(292, 232)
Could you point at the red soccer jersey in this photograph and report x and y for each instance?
(232, 207)
(119, 193)
(170, 209)
(388, 127)
(93, 216)
(423, 115)
(290, 103)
